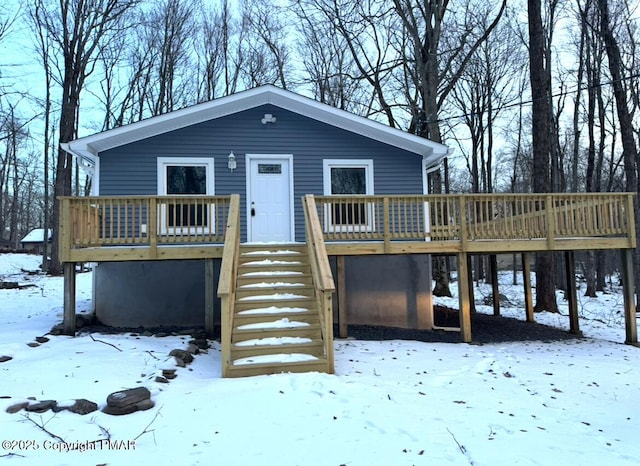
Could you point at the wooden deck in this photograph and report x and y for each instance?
(164, 228)
(130, 228)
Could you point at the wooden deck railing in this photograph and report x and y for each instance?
(93, 222)
(227, 281)
(468, 217)
(90, 226)
(321, 275)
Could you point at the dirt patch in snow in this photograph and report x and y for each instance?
(484, 329)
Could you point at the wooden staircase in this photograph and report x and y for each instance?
(276, 325)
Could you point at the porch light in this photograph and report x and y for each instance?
(232, 161)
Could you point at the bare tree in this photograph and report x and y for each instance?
(268, 45)
(434, 73)
(220, 52)
(629, 148)
(173, 24)
(367, 31)
(76, 28)
(43, 49)
(327, 63)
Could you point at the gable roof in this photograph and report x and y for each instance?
(88, 148)
(36, 236)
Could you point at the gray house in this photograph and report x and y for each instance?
(271, 147)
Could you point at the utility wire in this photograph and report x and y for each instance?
(529, 102)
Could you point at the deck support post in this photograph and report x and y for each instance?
(526, 278)
(342, 298)
(495, 294)
(628, 284)
(209, 298)
(572, 292)
(472, 291)
(69, 318)
(463, 297)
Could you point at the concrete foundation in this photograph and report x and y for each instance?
(393, 291)
(152, 293)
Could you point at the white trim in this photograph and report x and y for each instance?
(208, 163)
(426, 169)
(289, 159)
(367, 164)
(327, 164)
(91, 146)
(95, 179)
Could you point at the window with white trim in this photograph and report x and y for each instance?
(186, 177)
(348, 178)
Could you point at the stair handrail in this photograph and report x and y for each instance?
(227, 281)
(321, 275)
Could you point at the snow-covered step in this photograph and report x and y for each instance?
(272, 255)
(273, 266)
(249, 249)
(262, 279)
(277, 366)
(277, 291)
(254, 316)
(281, 300)
(302, 331)
(276, 323)
(257, 347)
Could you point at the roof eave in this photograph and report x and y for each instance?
(89, 147)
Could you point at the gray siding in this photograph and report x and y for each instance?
(132, 169)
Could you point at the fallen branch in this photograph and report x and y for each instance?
(460, 446)
(43, 428)
(104, 430)
(105, 342)
(9, 455)
(146, 429)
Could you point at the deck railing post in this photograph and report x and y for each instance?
(65, 229)
(551, 221)
(387, 232)
(462, 208)
(152, 227)
(631, 219)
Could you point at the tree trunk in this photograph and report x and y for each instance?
(629, 149)
(540, 91)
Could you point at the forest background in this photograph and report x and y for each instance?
(534, 95)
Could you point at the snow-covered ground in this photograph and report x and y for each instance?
(389, 403)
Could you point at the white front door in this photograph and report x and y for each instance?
(269, 199)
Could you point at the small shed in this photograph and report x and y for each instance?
(33, 241)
